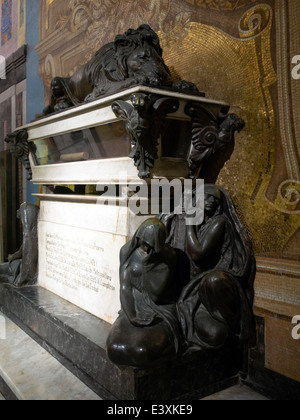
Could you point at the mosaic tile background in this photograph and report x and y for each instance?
(237, 51)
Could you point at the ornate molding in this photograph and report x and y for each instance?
(255, 21)
(209, 134)
(284, 192)
(288, 197)
(288, 141)
(229, 5)
(144, 116)
(90, 17)
(21, 148)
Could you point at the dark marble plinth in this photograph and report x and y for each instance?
(78, 340)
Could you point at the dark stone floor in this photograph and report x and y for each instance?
(48, 319)
(236, 393)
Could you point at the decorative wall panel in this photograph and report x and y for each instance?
(6, 21)
(235, 51)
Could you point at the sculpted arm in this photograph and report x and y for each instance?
(160, 287)
(209, 244)
(126, 296)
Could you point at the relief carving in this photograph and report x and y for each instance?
(144, 120)
(134, 58)
(209, 134)
(227, 5)
(21, 148)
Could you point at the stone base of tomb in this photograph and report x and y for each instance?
(78, 340)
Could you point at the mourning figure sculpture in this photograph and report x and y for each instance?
(172, 305)
(147, 330)
(134, 58)
(217, 302)
(22, 268)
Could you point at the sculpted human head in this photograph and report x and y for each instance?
(57, 87)
(152, 236)
(212, 199)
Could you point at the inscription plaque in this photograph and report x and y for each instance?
(80, 264)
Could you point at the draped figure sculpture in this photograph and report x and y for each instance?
(217, 302)
(22, 267)
(185, 288)
(147, 330)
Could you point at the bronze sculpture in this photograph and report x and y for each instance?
(22, 267)
(144, 118)
(147, 330)
(201, 302)
(182, 287)
(21, 148)
(209, 135)
(134, 58)
(217, 302)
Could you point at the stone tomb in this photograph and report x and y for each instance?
(73, 157)
(80, 236)
(79, 246)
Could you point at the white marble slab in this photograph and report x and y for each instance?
(97, 112)
(33, 374)
(79, 246)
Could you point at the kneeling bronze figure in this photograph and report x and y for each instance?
(147, 330)
(185, 288)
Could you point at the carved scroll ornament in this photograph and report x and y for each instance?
(144, 116)
(209, 134)
(21, 148)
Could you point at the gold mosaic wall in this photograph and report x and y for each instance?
(234, 50)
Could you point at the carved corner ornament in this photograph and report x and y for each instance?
(144, 116)
(209, 134)
(21, 148)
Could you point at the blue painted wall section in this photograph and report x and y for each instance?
(6, 22)
(35, 87)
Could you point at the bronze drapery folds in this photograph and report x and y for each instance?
(22, 267)
(185, 287)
